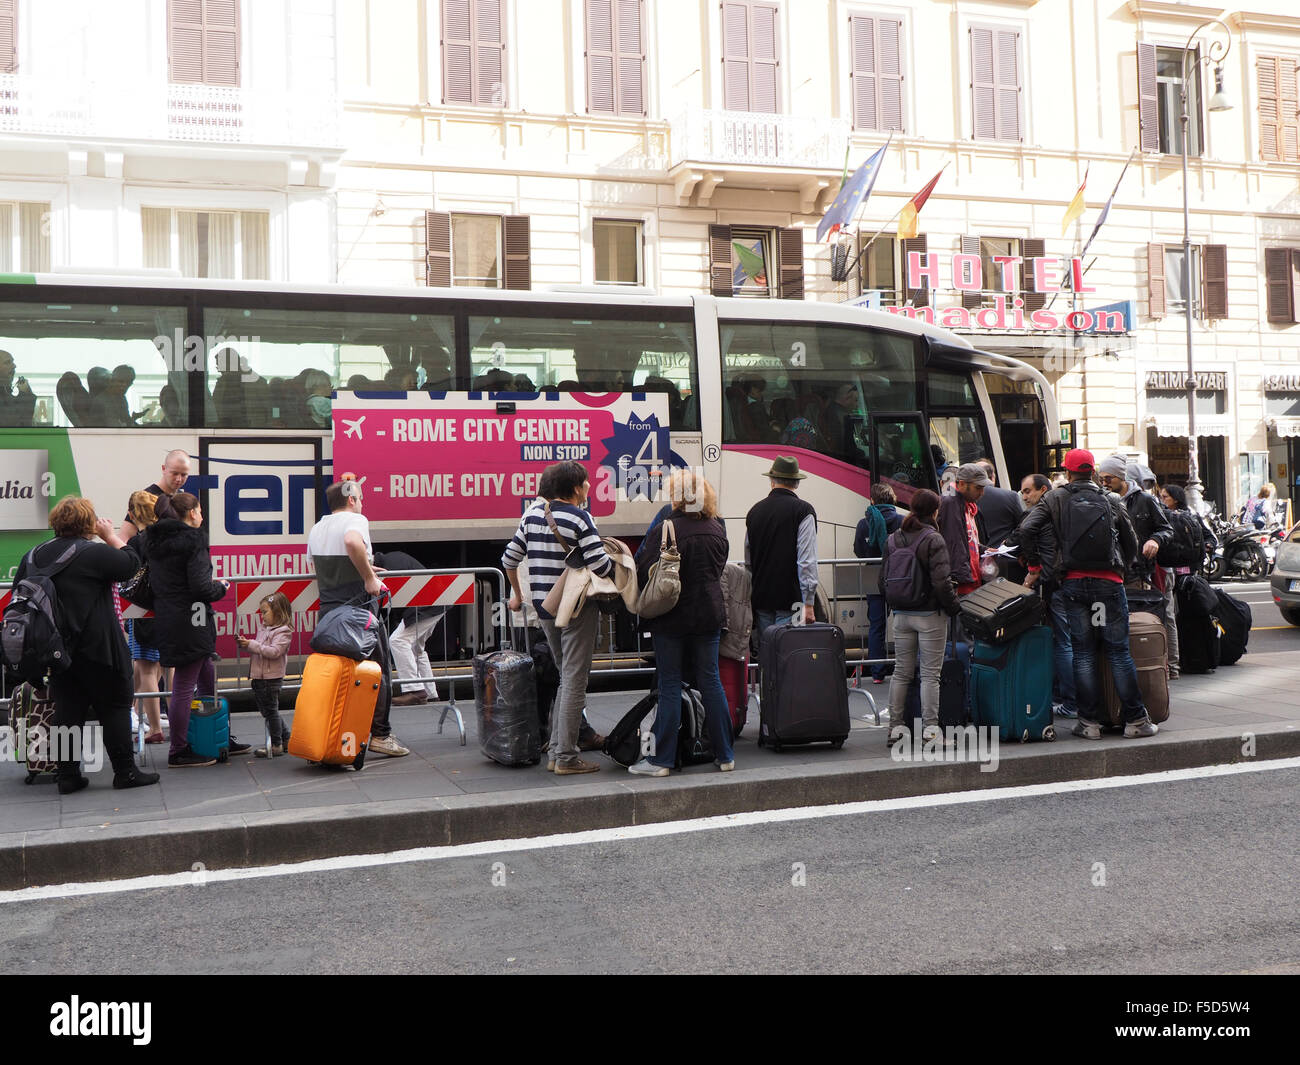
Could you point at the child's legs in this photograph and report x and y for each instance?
(266, 694)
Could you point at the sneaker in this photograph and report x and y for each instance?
(897, 735)
(726, 767)
(1086, 730)
(577, 766)
(239, 748)
(646, 768)
(1064, 710)
(931, 733)
(1174, 674)
(276, 751)
(1140, 729)
(388, 745)
(187, 759)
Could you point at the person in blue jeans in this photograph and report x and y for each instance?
(877, 525)
(1032, 490)
(1088, 543)
(693, 627)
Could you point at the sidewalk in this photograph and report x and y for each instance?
(254, 812)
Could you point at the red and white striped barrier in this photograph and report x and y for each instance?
(428, 590)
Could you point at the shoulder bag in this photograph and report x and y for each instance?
(663, 586)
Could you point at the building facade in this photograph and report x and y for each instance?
(658, 143)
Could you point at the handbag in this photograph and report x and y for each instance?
(137, 588)
(575, 569)
(349, 631)
(663, 586)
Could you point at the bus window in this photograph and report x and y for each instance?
(588, 355)
(956, 439)
(949, 390)
(901, 461)
(812, 386)
(95, 365)
(275, 369)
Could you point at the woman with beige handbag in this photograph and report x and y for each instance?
(559, 539)
(693, 542)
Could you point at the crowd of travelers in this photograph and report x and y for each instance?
(1048, 538)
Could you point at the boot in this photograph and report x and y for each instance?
(70, 779)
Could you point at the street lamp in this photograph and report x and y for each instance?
(1216, 53)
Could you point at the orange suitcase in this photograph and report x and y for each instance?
(334, 710)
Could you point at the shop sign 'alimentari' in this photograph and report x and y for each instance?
(1048, 274)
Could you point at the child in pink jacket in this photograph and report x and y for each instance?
(268, 648)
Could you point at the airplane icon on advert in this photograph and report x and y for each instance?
(354, 427)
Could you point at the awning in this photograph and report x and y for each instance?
(1283, 426)
(1173, 425)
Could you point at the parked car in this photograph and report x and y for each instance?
(1286, 576)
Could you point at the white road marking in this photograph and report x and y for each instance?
(614, 835)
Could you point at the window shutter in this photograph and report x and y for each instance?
(971, 300)
(790, 253)
(735, 56)
(8, 36)
(1214, 274)
(983, 87)
(917, 297)
(221, 42)
(185, 40)
(720, 261)
(1156, 280)
(889, 41)
(1270, 130)
(1288, 109)
(862, 37)
(1277, 283)
(437, 249)
(489, 53)
(519, 252)
(765, 62)
(631, 58)
(1295, 281)
(473, 52)
(600, 57)
(1006, 75)
(1031, 248)
(1148, 100)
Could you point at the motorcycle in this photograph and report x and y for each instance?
(1243, 552)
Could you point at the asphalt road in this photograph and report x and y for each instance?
(1196, 876)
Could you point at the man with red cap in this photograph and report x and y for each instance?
(1084, 538)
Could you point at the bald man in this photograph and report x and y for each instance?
(175, 472)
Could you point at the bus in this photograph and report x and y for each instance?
(448, 403)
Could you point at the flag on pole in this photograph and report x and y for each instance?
(907, 216)
(1075, 210)
(749, 264)
(851, 196)
(1101, 218)
(845, 176)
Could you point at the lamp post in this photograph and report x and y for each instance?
(1216, 53)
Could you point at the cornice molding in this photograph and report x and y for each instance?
(1167, 11)
(1263, 20)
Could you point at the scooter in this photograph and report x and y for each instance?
(1242, 552)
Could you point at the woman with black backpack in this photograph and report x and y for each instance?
(917, 582)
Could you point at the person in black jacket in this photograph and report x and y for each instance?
(880, 521)
(695, 623)
(1150, 524)
(98, 683)
(180, 573)
(1042, 562)
(920, 629)
(1000, 509)
(1183, 555)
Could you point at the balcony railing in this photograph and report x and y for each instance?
(754, 138)
(177, 112)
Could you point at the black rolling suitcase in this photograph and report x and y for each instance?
(505, 699)
(804, 686)
(1235, 619)
(954, 683)
(1000, 611)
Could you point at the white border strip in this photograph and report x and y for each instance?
(200, 877)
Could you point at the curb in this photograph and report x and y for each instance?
(82, 855)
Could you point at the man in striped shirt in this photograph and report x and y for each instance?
(563, 490)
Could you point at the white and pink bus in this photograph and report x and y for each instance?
(450, 402)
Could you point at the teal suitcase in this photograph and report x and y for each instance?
(209, 734)
(1011, 686)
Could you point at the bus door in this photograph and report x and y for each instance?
(900, 454)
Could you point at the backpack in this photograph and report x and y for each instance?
(905, 582)
(1181, 549)
(31, 642)
(1085, 531)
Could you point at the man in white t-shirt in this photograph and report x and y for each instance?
(340, 551)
